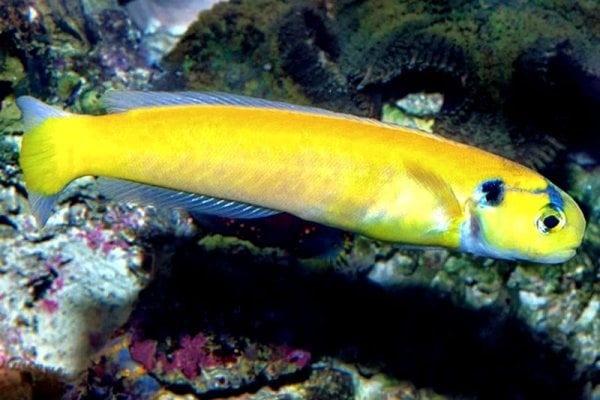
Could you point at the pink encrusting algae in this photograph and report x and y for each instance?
(50, 306)
(144, 352)
(190, 358)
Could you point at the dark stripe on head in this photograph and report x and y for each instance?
(555, 196)
(553, 193)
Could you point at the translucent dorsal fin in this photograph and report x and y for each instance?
(123, 100)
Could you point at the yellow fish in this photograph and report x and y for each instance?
(244, 158)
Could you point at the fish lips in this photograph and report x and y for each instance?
(556, 257)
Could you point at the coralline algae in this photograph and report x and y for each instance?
(64, 296)
(202, 363)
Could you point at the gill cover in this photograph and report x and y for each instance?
(545, 225)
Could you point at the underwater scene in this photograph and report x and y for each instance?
(300, 199)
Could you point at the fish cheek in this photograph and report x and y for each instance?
(497, 225)
(472, 223)
(487, 211)
(514, 223)
(475, 232)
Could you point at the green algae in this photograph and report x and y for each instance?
(58, 51)
(233, 47)
(90, 102)
(68, 83)
(492, 36)
(11, 69)
(235, 246)
(10, 117)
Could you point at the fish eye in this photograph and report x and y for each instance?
(551, 219)
(491, 193)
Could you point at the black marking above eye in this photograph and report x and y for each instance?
(492, 192)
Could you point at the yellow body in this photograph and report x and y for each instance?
(384, 181)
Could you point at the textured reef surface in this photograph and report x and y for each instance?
(126, 301)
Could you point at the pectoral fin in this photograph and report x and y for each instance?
(445, 210)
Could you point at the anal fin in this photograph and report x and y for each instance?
(159, 197)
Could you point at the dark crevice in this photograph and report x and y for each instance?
(411, 333)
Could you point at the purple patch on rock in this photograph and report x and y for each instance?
(300, 358)
(144, 352)
(190, 358)
(50, 306)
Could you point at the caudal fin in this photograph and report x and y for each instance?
(38, 158)
(35, 112)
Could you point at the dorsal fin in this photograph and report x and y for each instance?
(123, 100)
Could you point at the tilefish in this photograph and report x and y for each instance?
(240, 157)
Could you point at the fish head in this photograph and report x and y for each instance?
(544, 225)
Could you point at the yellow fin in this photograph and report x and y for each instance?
(446, 210)
(39, 159)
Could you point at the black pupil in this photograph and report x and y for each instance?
(493, 191)
(551, 221)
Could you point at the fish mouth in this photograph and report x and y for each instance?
(556, 257)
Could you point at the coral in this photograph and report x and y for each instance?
(309, 53)
(411, 60)
(287, 322)
(24, 381)
(57, 292)
(469, 54)
(136, 365)
(231, 47)
(97, 50)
